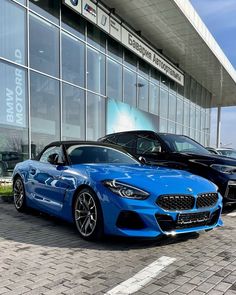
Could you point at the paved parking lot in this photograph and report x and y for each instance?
(43, 255)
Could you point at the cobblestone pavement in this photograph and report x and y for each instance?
(43, 255)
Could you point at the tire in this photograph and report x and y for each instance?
(19, 195)
(88, 216)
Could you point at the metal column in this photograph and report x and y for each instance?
(218, 135)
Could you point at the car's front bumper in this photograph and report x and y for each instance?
(144, 220)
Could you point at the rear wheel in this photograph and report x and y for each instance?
(88, 215)
(19, 195)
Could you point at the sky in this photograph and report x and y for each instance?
(220, 19)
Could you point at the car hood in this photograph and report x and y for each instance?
(152, 179)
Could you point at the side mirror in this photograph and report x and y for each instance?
(53, 159)
(142, 160)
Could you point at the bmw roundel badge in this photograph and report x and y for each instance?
(74, 2)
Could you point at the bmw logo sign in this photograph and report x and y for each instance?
(74, 2)
(189, 189)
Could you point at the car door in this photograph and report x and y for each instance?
(48, 186)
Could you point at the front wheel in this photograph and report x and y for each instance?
(19, 195)
(88, 215)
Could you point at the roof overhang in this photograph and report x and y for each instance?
(175, 27)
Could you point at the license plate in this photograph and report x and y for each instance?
(188, 218)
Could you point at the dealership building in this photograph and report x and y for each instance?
(79, 69)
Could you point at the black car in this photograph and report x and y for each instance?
(180, 152)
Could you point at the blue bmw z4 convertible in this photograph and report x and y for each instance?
(105, 190)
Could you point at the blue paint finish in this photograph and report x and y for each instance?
(51, 188)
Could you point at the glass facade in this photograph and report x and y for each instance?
(57, 71)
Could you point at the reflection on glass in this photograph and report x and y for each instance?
(155, 76)
(96, 37)
(130, 59)
(12, 32)
(171, 127)
(192, 116)
(115, 50)
(172, 107)
(13, 118)
(179, 129)
(163, 103)
(72, 60)
(95, 116)
(73, 22)
(73, 113)
(164, 81)
(44, 104)
(143, 68)
(163, 125)
(46, 8)
(142, 87)
(44, 50)
(114, 80)
(180, 111)
(154, 98)
(96, 71)
(130, 87)
(186, 113)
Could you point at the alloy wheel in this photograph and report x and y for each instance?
(19, 194)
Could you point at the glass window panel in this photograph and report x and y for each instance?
(203, 99)
(180, 111)
(144, 68)
(44, 104)
(96, 71)
(192, 116)
(163, 103)
(155, 76)
(73, 113)
(164, 81)
(114, 80)
(130, 87)
(198, 94)
(163, 125)
(180, 90)
(187, 86)
(12, 32)
(192, 133)
(198, 118)
(72, 60)
(186, 113)
(172, 107)
(22, 1)
(47, 8)
(193, 90)
(142, 86)
(13, 117)
(173, 86)
(73, 22)
(179, 129)
(115, 49)
(171, 127)
(96, 37)
(44, 54)
(130, 59)
(95, 116)
(154, 91)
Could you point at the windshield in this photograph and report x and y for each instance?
(183, 144)
(85, 154)
(228, 153)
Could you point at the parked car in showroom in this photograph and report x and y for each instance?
(180, 152)
(105, 190)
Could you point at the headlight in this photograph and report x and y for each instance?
(125, 190)
(224, 168)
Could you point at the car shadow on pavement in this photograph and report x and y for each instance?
(36, 228)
